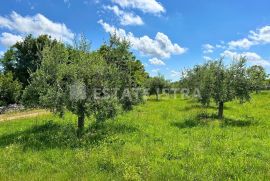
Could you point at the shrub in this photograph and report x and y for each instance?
(10, 90)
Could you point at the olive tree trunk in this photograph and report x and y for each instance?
(220, 110)
(81, 119)
(157, 93)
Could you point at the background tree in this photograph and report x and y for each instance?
(156, 85)
(267, 81)
(257, 76)
(25, 57)
(10, 89)
(220, 83)
(131, 73)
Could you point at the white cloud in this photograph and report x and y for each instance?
(176, 73)
(258, 37)
(67, 2)
(145, 64)
(8, 39)
(243, 43)
(221, 46)
(207, 48)
(262, 36)
(36, 25)
(147, 6)
(156, 61)
(90, 2)
(161, 46)
(126, 18)
(1, 54)
(207, 58)
(155, 70)
(230, 54)
(250, 56)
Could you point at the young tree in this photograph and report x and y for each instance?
(10, 89)
(257, 76)
(220, 83)
(68, 79)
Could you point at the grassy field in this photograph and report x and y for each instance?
(172, 139)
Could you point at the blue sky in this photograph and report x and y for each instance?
(167, 36)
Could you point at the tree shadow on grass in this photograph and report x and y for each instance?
(188, 123)
(226, 122)
(247, 121)
(198, 106)
(204, 119)
(156, 100)
(52, 135)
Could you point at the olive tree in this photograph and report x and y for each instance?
(156, 85)
(257, 76)
(68, 79)
(219, 82)
(267, 81)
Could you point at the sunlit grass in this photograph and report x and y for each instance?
(170, 139)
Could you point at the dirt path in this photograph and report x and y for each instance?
(22, 115)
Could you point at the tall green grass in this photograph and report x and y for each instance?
(171, 139)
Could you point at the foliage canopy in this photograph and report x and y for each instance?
(219, 83)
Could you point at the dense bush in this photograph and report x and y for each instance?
(10, 89)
